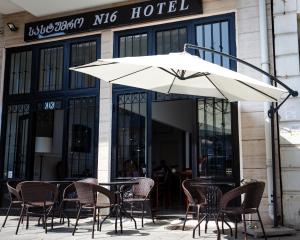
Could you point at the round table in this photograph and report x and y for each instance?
(119, 208)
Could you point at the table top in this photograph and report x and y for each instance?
(212, 183)
(116, 183)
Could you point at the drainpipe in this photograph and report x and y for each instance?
(268, 121)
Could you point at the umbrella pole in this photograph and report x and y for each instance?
(271, 113)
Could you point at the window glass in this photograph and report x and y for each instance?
(170, 40)
(82, 53)
(214, 36)
(215, 138)
(16, 142)
(133, 45)
(81, 137)
(20, 72)
(51, 69)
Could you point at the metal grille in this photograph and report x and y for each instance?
(133, 45)
(215, 138)
(20, 72)
(51, 69)
(16, 141)
(131, 114)
(171, 40)
(214, 36)
(81, 137)
(82, 53)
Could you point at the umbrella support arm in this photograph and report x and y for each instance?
(292, 92)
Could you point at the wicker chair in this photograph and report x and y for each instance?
(87, 198)
(14, 196)
(38, 198)
(253, 194)
(194, 199)
(69, 196)
(140, 194)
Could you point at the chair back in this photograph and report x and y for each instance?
(37, 192)
(253, 194)
(13, 191)
(192, 192)
(143, 188)
(87, 193)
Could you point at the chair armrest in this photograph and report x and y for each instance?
(231, 195)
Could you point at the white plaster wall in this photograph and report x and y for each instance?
(287, 64)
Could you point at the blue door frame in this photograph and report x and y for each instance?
(190, 25)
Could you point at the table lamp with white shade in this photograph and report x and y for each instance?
(43, 145)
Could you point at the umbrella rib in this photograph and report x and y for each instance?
(129, 74)
(255, 89)
(94, 65)
(172, 82)
(215, 86)
(199, 74)
(173, 74)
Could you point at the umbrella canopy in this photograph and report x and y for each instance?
(181, 73)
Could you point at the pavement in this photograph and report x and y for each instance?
(164, 229)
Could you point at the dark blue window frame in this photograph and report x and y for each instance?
(191, 26)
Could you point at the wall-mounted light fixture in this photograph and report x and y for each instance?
(12, 27)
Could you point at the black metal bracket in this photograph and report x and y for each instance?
(273, 109)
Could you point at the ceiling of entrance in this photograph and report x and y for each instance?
(46, 7)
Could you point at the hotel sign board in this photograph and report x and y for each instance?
(112, 17)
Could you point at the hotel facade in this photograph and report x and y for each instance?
(109, 131)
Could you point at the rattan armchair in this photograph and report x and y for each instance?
(14, 196)
(195, 199)
(253, 193)
(38, 199)
(69, 196)
(87, 197)
(140, 194)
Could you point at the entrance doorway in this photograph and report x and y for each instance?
(172, 127)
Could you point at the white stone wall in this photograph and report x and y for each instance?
(286, 30)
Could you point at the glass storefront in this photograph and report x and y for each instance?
(135, 115)
(47, 101)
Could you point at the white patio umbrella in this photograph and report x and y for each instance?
(181, 73)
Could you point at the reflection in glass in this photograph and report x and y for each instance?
(20, 72)
(51, 69)
(81, 144)
(82, 53)
(171, 40)
(131, 114)
(215, 139)
(214, 36)
(133, 45)
(16, 142)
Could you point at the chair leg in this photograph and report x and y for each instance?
(150, 211)
(261, 224)
(21, 216)
(187, 211)
(223, 223)
(76, 223)
(142, 214)
(94, 220)
(235, 226)
(98, 219)
(217, 224)
(245, 227)
(52, 219)
(45, 219)
(198, 218)
(27, 219)
(7, 213)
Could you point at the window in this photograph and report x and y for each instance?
(20, 72)
(214, 36)
(131, 134)
(82, 53)
(133, 45)
(16, 142)
(81, 143)
(51, 69)
(215, 138)
(171, 40)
